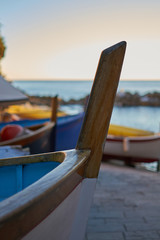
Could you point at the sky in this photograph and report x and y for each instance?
(63, 39)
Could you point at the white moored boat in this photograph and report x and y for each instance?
(132, 145)
(48, 196)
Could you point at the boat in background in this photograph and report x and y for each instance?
(64, 136)
(28, 111)
(124, 143)
(132, 145)
(68, 128)
(123, 131)
(49, 195)
(40, 138)
(67, 131)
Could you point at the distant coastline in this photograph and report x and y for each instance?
(132, 93)
(124, 99)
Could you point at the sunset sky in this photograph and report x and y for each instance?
(63, 39)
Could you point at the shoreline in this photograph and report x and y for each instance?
(123, 99)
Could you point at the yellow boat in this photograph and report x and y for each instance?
(123, 131)
(131, 145)
(32, 112)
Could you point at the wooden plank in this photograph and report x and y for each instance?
(100, 105)
(45, 157)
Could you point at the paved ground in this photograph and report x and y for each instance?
(126, 205)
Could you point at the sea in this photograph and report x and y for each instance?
(147, 118)
(142, 117)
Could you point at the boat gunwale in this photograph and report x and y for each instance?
(33, 135)
(26, 205)
(155, 137)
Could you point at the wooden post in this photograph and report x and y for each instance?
(100, 105)
(54, 106)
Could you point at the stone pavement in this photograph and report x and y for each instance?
(126, 205)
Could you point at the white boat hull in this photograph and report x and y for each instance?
(138, 149)
(71, 213)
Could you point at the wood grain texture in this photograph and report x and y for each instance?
(45, 157)
(99, 109)
(54, 106)
(20, 213)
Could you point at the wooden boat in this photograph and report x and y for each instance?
(39, 138)
(67, 131)
(132, 145)
(123, 131)
(27, 111)
(65, 134)
(53, 191)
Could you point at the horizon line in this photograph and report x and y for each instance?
(67, 79)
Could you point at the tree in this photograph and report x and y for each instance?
(2, 49)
